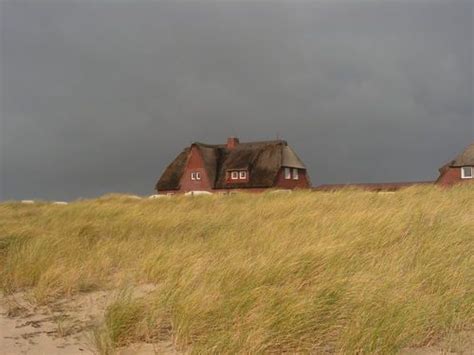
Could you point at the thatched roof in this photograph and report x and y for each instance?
(172, 175)
(465, 158)
(263, 160)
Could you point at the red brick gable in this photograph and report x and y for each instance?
(449, 176)
(195, 164)
(302, 182)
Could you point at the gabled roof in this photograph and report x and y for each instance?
(263, 160)
(290, 159)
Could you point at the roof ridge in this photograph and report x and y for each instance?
(208, 145)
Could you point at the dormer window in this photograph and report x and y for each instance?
(467, 172)
(237, 175)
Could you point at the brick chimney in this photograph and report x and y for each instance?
(232, 142)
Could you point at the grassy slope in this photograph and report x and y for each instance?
(347, 271)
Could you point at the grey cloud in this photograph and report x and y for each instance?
(98, 96)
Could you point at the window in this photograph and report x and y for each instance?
(193, 176)
(295, 174)
(237, 174)
(287, 173)
(467, 172)
(198, 176)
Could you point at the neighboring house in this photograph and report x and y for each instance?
(461, 169)
(252, 166)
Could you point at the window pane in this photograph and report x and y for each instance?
(243, 175)
(193, 176)
(287, 173)
(466, 172)
(198, 176)
(234, 175)
(295, 174)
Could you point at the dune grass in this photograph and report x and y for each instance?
(349, 271)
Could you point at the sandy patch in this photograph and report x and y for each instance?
(63, 326)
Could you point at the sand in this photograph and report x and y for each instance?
(63, 326)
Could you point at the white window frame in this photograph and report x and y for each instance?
(193, 176)
(295, 174)
(242, 175)
(234, 175)
(287, 173)
(463, 172)
(198, 175)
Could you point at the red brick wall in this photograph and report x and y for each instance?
(301, 183)
(195, 164)
(450, 176)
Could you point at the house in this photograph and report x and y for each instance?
(461, 169)
(235, 166)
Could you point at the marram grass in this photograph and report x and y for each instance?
(344, 272)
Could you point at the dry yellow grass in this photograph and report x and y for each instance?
(350, 271)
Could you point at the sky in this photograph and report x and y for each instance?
(100, 96)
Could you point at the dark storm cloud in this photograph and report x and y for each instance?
(99, 96)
